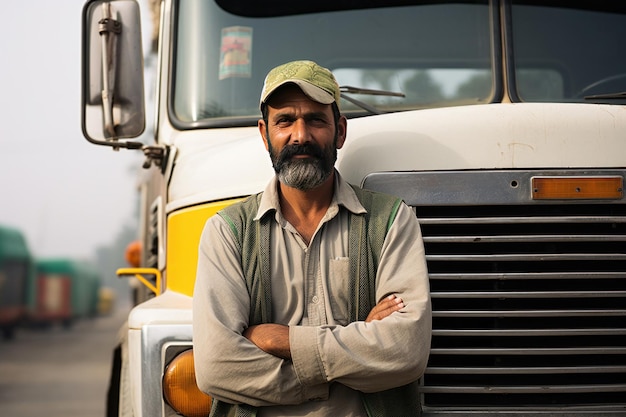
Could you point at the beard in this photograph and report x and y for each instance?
(306, 173)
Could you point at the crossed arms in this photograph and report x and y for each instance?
(274, 338)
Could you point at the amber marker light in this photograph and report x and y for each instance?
(181, 390)
(578, 188)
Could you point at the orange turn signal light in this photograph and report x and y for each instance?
(181, 390)
(578, 188)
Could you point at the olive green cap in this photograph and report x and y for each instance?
(317, 82)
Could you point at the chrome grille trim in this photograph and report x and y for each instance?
(529, 332)
(534, 238)
(522, 220)
(529, 370)
(529, 313)
(530, 351)
(528, 389)
(503, 276)
(528, 294)
(528, 257)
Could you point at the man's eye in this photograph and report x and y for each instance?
(318, 121)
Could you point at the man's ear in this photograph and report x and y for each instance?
(342, 131)
(263, 131)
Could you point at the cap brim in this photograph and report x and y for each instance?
(313, 92)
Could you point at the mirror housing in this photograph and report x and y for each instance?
(113, 105)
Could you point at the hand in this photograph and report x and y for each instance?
(385, 307)
(270, 338)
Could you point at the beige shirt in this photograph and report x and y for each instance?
(332, 359)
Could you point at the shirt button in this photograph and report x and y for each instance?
(315, 299)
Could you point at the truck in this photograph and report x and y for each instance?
(16, 280)
(67, 290)
(502, 123)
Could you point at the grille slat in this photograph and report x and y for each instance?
(535, 257)
(529, 332)
(521, 220)
(521, 238)
(528, 370)
(529, 351)
(529, 313)
(529, 294)
(503, 276)
(571, 389)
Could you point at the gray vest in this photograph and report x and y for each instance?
(253, 239)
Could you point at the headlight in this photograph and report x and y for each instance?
(181, 390)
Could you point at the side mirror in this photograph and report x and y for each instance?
(112, 73)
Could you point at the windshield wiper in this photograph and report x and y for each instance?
(370, 92)
(346, 89)
(608, 96)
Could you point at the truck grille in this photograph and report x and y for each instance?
(528, 294)
(529, 305)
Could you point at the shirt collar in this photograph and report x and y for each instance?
(344, 196)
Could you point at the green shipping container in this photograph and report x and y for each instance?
(67, 290)
(16, 280)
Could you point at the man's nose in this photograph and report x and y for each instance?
(300, 132)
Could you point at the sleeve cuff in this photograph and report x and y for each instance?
(307, 362)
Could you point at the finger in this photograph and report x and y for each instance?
(385, 307)
(390, 302)
(389, 308)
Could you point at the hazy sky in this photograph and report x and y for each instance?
(66, 195)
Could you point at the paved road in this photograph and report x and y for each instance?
(58, 372)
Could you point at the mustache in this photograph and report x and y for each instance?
(309, 149)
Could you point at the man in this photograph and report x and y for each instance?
(297, 309)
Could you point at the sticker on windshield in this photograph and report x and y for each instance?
(236, 52)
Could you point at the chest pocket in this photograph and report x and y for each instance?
(338, 289)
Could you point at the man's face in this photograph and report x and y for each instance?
(302, 138)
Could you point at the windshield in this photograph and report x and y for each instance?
(434, 54)
(566, 54)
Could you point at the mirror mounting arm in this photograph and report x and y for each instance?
(109, 28)
(155, 154)
(115, 144)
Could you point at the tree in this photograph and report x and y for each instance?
(422, 88)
